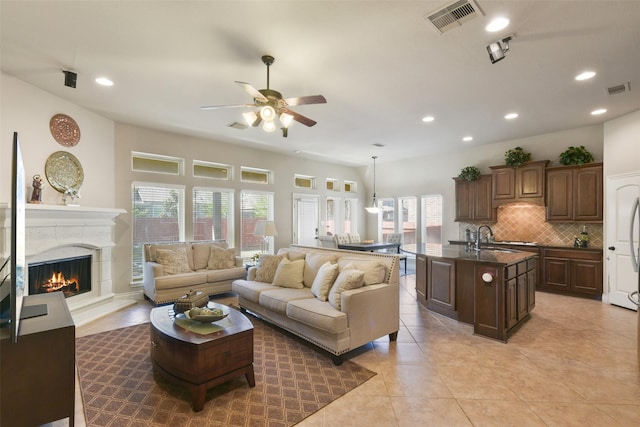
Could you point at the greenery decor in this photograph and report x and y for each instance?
(470, 173)
(576, 156)
(516, 157)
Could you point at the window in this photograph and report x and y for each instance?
(303, 181)
(144, 162)
(157, 215)
(350, 187)
(350, 216)
(254, 206)
(213, 214)
(212, 170)
(332, 218)
(256, 176)
(388, 216)
(333, 184)
(432, 220)
(408, 217)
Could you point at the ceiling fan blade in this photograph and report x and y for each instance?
(216, 107)
(255, 93)
(299, 117)
(304, 100)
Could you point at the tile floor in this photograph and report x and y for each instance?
(574, 363)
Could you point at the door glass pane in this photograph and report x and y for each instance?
(432, 220)
(349, 222)
(408, 213)
(388, 217)
(332, 218)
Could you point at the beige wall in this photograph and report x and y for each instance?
(27, 110)
(433, 174)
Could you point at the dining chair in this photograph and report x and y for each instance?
(396, 238)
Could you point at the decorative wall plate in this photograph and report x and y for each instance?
(64, 171)
(65, 130)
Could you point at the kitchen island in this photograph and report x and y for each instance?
(492, 288)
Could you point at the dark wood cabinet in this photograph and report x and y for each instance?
(441, 286)
(421, 278)
(523, 184)
(575, 193)
(572, 271)
(473, 200)
(38, 372)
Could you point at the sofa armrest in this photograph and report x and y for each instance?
(251, 273)
(373, 311)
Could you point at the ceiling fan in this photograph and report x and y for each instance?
(270, 104)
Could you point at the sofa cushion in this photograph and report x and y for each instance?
(289, 274)
(323, 281)
(317, 314)
(183, 280)
(267, 266)
(312, 263)
(201, 253)
(347, 279)
(250, 289)
(374, 271)
(173, 261)
(221, 258)
(292, 255)
(225, 274)
(277, 299)
(153, 248)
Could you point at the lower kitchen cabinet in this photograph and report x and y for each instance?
(441, 286)
(572, 271)
(421, 278)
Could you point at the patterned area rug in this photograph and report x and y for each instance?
(293, 380)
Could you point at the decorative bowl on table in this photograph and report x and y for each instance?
(206, 314)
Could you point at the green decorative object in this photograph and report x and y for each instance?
(516, 157)
(575, 156)
(470, 173)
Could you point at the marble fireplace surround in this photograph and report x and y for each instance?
(56, 232)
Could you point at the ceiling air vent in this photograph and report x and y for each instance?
(454, 15)
(621, 88)
(237, 125)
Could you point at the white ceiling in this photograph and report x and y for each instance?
(380, 65)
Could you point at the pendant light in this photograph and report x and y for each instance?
(374, 209)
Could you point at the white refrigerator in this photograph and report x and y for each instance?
(634, 241)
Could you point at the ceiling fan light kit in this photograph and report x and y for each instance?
(271, 105)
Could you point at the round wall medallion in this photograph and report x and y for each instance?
(64, 171)
(65, 130)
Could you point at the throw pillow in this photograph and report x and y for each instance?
(374, 271)
(323, 281)
(267, 266)
(173, 261)
(289, 274)
(220, 259)
(347, 279)
(312, 264)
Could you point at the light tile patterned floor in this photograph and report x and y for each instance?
(574, 363)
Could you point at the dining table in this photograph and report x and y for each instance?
(369, 247)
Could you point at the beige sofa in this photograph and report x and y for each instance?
(173, 269)
(343, 322)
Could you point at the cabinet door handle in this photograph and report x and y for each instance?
(153, 344)
(612, 248)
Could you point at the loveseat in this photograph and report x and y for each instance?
(336, 299)
(171, 270)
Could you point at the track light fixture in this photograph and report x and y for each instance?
(497, 50)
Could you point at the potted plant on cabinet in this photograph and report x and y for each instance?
(576, 156)
(516, 157)
(469, 173)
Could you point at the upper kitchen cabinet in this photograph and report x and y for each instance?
(473, 200)
(523, 184)
(574, 193)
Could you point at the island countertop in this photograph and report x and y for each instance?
(486, 255)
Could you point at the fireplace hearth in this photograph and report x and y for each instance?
(71, 276)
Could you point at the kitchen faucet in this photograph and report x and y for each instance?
(478, 234)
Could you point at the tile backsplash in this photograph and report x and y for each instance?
(526, 223)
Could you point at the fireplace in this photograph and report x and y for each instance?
(71, 276)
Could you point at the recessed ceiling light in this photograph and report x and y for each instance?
(103, 81)
(467, 138)
(585, 75)
(497, 24)
(428, 119)
(598, 111)
(511, 116)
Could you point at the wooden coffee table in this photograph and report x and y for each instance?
(199, 362)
